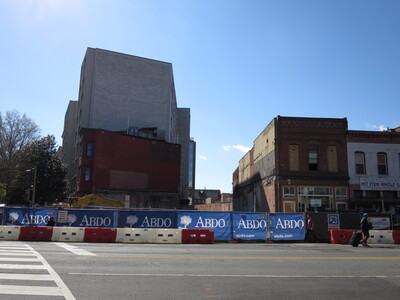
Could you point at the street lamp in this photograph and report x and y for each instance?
(34, 169)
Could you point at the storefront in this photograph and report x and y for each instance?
(314, 198)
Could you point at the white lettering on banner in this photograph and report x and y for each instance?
(252, 224)
(289, 224)
(210, 223)
(35, 219)
(95, 221)
(156, 222)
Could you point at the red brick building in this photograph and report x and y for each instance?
(295, 165)
(144, 172)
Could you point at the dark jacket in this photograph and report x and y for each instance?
(365, 224)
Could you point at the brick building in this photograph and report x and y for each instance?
(145, 172)
(128, 94)
(295, 165)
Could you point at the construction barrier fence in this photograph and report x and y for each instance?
(132, 226)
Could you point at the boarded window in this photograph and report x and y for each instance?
(332, 159)
(294, 158)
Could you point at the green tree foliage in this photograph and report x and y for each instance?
(50, 184)
(3, 192)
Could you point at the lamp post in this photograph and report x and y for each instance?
(34, 169)
(34, 186)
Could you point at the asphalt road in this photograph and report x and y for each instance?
(218, 271)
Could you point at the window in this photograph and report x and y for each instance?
(332, 159)
(399, 162)
(294, 158)
(341, 206)
(359, 159)
(382, 163)
(289, 206)
(312, 158)
(341, 193)
(89, 149)
(87, 173)
(288, 192)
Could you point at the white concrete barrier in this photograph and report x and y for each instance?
(9, 233)
(68, 234)
(165, 236)
(132, 235)
(380, 237)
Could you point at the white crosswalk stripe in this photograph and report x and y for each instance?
(20, 262)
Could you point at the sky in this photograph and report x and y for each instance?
(237, 63)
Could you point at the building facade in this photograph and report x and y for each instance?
(131, 95)
(295, 165)
(374, 170)
(141, 171)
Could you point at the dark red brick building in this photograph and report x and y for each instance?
(295, 165)
(143, 172)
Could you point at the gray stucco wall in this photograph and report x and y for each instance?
(371, 163)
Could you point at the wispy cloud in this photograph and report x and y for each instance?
(237, 147)
(202, 157)
(376, 127)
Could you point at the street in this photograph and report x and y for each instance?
(183, 271)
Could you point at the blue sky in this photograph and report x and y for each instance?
(237, 64)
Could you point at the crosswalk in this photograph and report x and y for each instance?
(24, 272)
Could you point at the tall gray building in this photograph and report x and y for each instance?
(133, 95)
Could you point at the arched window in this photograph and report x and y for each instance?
(313, 158)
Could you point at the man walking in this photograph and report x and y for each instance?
(310, 230)
(366, 225)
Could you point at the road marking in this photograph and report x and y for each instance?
(65, 291)
(74, 249)
(255, 257)
(39, 277)
(23, 267)
(21, 257)
(13, 253)
(235, 275)
(32, 290)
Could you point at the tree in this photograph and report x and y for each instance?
(15, 133)
(50, 172)
(3, 192)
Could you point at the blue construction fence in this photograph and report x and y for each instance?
(227, 226)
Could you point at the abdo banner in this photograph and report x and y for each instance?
(220, 222)
(249, 226)
(287, 226)
(146, 219)
(28, 216)
(86, 218)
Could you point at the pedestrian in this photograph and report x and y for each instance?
(310, 230)
(51, 221)
(365, 225)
